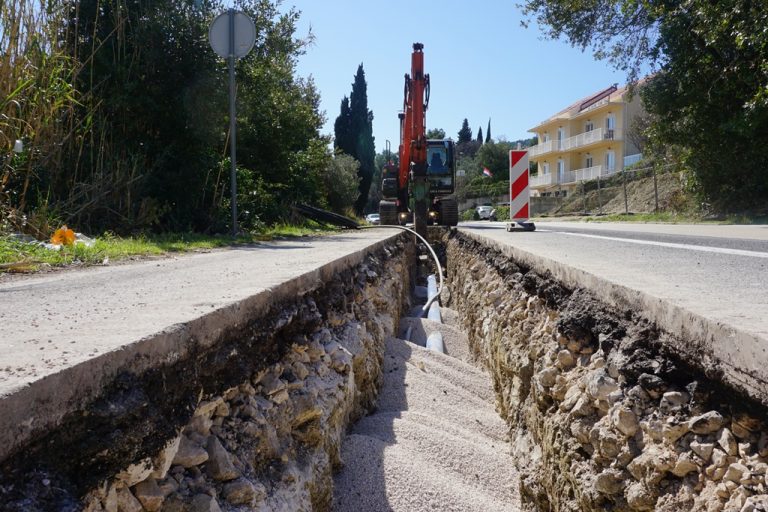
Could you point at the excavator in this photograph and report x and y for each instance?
(417, 189)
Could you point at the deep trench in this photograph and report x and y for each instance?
(602, 414)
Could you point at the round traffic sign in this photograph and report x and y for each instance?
(245, 34)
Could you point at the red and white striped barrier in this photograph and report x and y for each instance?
(519, 191)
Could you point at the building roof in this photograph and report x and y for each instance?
(612, 94)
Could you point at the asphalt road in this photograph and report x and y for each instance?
(719, 273)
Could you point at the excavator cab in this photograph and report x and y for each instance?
(441, 166)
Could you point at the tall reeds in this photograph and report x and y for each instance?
(36, 101)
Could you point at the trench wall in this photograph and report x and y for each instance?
(603, 413)
(252, 421)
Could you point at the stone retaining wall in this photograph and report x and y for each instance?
(603, 415)
(254, 423)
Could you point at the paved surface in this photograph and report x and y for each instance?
(707, 283)
(66, 333)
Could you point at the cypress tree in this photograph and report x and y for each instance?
(361, 123)
(488, 132)
(465, 134)
(342, 129)
(480, 135)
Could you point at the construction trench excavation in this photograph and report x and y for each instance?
(548, 398)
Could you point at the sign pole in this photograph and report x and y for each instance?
(232, 35)
(232, 122)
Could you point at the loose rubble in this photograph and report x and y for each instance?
(601, 417)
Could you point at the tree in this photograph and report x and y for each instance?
(154, 116)
(341, 182)
(480, 135)
(622, 31)
(354, 135)
(465, 134)
(342, 129)
(708, 95)
(495, 157)
(488, 132)
(436, 133)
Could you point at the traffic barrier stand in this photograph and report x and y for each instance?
(519, 192)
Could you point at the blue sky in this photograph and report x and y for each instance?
(482, 63)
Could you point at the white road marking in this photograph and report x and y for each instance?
(700, 248)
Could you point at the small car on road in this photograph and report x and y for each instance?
(484, 212)
(373, 218)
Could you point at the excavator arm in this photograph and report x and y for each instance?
(412, 181)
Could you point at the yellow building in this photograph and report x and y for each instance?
(586, 140)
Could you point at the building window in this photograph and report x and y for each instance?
(589, 161)
(545, 168)
(610, 125)
(589, 126)
(560, 171)
(610, 161)
(545, 137)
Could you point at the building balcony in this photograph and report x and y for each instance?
(547, 180)
(575, 142)
(540, 149)
(592, 173)
(542, 180)
(589, 138)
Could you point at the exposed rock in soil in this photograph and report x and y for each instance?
(603, 416)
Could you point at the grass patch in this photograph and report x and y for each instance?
(18, 256)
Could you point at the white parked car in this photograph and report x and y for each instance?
(484, 212)
(373, 218)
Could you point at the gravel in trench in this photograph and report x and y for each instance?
(435, 441)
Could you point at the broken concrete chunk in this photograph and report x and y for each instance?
(672, 430)
(189, 453)
(204, 503)
(652, 384)
(271, 384)
(624, 420)
(727, 442)
(135, 473)
(220, 465)
(600, 385)
(565, 359)
(640, 498)
(149, 494)
(206, 408)
(165, 458)
(548, 377)
(719, 458)
(300, 370)
(706, 423)
(684, 465)
(609, 482)
(703, 450)
(243, 492)
(673, 401)
(736, 472)
(127, 502)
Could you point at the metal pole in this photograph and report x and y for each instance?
(232, 122)
(626, 206)
(599, 199)
(655, 192)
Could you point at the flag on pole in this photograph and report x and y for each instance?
(487, 172)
